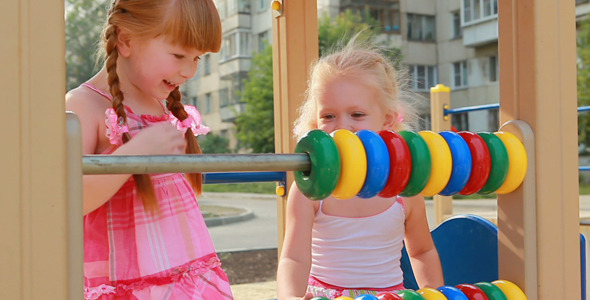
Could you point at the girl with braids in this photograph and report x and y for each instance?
(144, 235)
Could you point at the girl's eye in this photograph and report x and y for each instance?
(327, 117)
(358, 115)
(179, 56)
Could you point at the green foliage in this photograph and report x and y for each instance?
(255, 126)
(84, 20)
(332, 31)
(213, 143)
(250, 187)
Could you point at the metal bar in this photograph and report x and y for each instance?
(243, 177)
(193, 163)
(470, 108)
(490, 106)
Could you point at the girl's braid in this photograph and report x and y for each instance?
(143, 182)
(174, 105)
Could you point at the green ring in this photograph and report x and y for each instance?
(493, 292)
(319, 182)
(499, 167)
(421, 163)
(409, 294)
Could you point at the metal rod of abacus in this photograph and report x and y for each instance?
(193, 163)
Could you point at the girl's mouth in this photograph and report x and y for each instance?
(170, 84)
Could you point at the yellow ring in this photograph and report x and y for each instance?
(442, 162)
(517, 162)
(511, 290)
(431, 294)
(353, 158)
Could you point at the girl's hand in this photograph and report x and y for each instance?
(161, 138)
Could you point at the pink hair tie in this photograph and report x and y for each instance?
(193, 121)
(116, 127)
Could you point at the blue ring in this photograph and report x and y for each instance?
(377, 163)
(462, 163)
(452, 293)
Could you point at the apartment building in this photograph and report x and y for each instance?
(452, 42)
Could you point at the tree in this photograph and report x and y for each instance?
(583, 46)
(213, 143)
(84, 20)
(331, 31)
(255, 126)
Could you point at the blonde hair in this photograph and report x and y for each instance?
(192, 24)
(367, 63)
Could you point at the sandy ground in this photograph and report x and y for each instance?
(255, 291)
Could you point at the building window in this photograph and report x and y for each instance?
(457, 30)
(236, 44)
(386, 12)
(262, 5)
(493, 120)
(493, 68)
(479, 10)
(204, 105)
(224, 97)
(421, 28)
(262, 40)
(207, 64)
(460, 121)
(423, 77)
(244, 6)
(460, 74)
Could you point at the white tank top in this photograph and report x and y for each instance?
(359, 252)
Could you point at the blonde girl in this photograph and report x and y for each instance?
(145, 237)
(350, 247)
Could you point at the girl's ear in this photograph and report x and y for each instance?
(123, 43)
(390, 118)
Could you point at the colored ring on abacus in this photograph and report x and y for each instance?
(377, 163)
(511, 290)
(410, 294)
(493, 292)
(400, 161)
(472, 292)
(319, 182)
(421, 163)
(442, 163)
(353, 159)
(389, 296)
(431, 294)
(499, 157)
(462, 163)
(481, 162)
(517, 162)
(452, 293)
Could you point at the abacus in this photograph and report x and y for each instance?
(407, 163)
(496, 290)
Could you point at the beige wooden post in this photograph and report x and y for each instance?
(33, 218)
(440, 99)
(537, 51)
(295, 47)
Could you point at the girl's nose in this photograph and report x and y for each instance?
(189, 69)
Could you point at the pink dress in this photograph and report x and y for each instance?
(133, 254)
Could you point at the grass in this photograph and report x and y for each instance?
(252, 187)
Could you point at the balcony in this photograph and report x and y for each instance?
(481, 33)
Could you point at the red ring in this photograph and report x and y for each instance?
(481, 162)
(400, 161)
(472, 292)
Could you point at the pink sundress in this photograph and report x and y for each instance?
(133, 254)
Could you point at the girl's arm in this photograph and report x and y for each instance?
(295, 261)
(158, 139)
(421, 250)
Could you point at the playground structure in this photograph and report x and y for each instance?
(538, 224)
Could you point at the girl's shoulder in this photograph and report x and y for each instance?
(82, 99)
